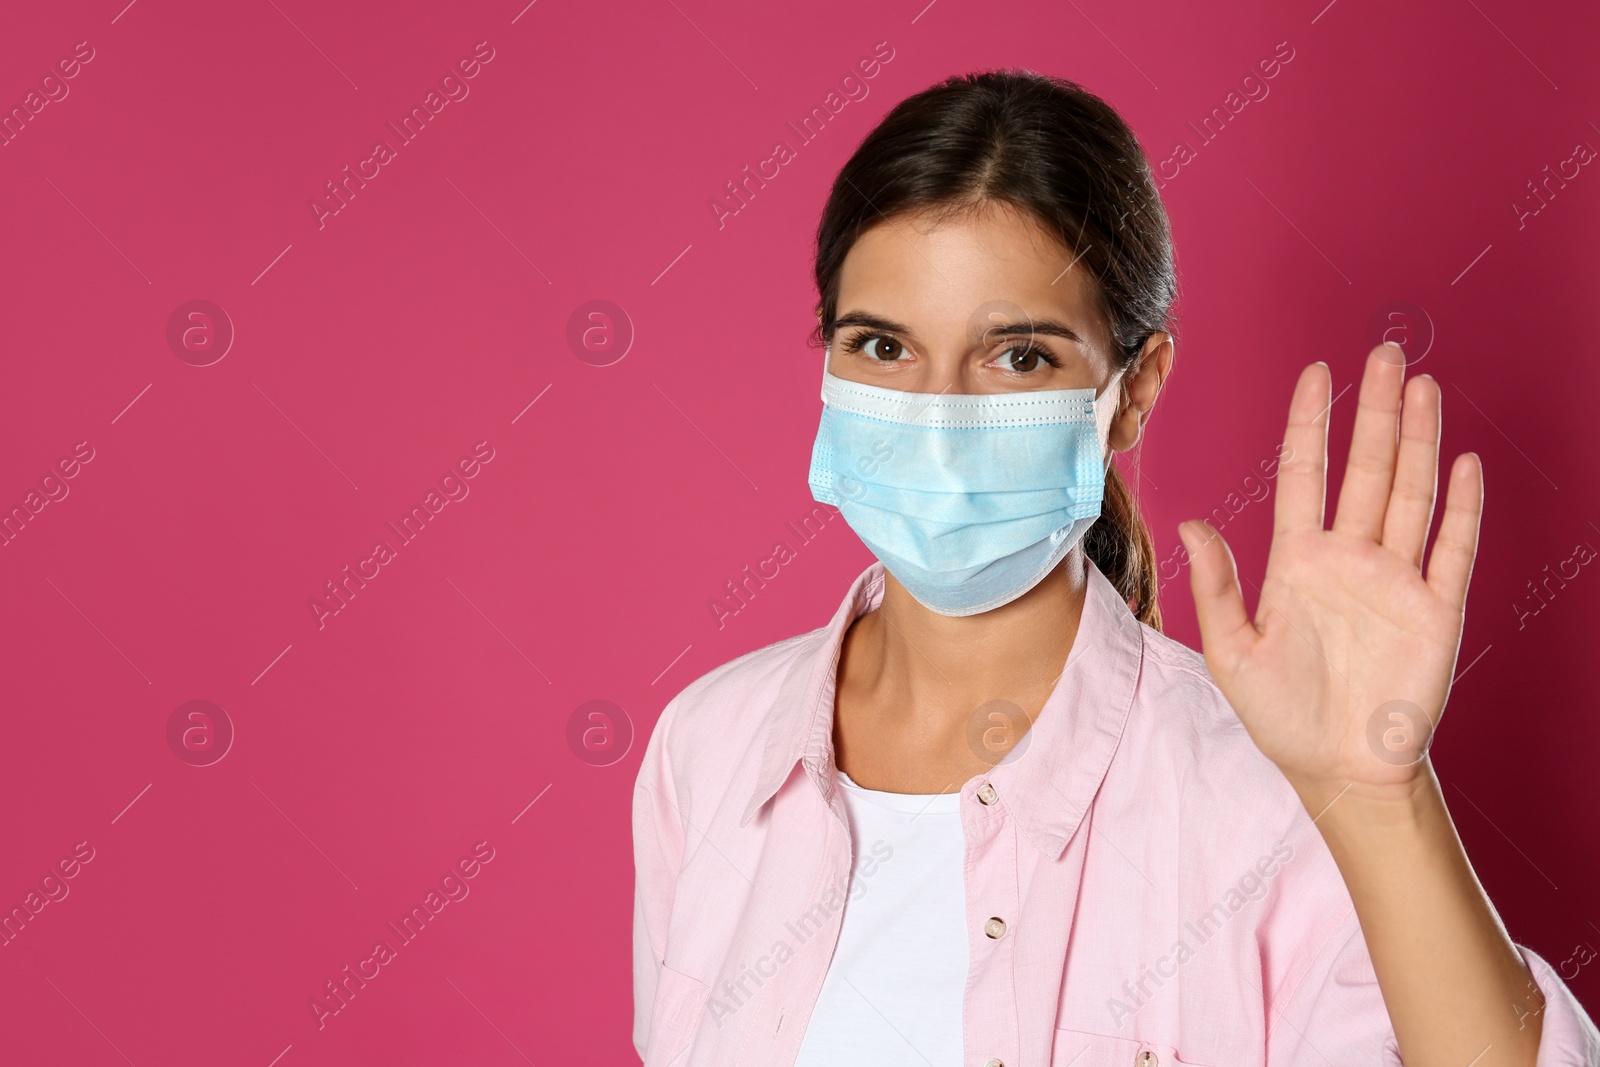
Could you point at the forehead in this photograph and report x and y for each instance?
(937, 274)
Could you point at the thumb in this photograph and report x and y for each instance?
(1214, 581)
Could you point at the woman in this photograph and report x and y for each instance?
(989, 814)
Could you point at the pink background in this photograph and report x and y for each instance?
(373, 352)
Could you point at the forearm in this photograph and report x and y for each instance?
(1454, 984)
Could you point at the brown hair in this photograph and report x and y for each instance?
(1057, 151)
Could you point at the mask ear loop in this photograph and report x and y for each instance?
(1111, 453)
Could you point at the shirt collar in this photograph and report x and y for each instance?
(1050, 783)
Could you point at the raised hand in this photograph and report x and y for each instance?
(1343, 673)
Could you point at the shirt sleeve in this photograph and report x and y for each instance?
(1569, 1035)
(1336, 1015)
(657, 854)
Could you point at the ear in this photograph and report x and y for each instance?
(1141, 384)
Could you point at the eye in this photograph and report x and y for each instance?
(1025, 358)
(878, 346)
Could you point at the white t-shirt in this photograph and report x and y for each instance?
(894, 989)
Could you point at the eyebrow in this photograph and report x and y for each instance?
(1048, 327)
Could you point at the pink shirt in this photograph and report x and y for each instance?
(1161, 887)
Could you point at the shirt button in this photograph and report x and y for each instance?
(986, 794)
(1146, 1059)
(996, 928)
(993, 1063)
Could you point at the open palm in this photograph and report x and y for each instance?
(1342, 676)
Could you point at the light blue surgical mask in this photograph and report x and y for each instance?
(969, 499)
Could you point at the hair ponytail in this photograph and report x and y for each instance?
(1120, 545)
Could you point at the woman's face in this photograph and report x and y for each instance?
(985, 302)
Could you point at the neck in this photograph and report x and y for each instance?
(930, 672)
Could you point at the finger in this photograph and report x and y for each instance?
(1369, 472)
(1416, 472)
(1303, 456)
(1225, 627)
(1450, 565)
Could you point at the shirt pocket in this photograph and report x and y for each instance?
(1076, 1048)
(674, 1017)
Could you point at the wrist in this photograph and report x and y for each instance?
(1349, 807)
